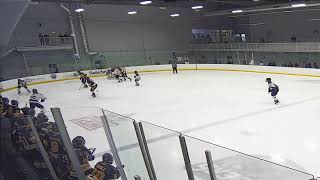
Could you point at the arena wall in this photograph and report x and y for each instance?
(49, 78)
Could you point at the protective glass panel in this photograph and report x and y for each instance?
(233, 165)
(126, 142)
(165, 151)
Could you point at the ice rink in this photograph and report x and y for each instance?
(231, 109)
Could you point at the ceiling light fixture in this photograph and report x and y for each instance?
(145, 2)
(175, 15)
(132, 12)
(196, 7)
(237, 11)
(298, 5)
(79, 10)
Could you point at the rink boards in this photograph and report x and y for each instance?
(55, 77)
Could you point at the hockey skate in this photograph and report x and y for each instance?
(276, 102)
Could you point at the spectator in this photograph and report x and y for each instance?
(290, 64)
(61, 38)
(296, 65)
(46, 39)
(293, 38)
(261, 63)
(309, 65)
(41, 39)
(315, 65)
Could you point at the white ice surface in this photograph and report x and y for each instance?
(227, 108)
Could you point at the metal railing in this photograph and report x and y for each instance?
(35, 41)
(263, 47)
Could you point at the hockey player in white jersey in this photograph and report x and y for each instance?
(137, 78)
(273, 89)
(22, 83)
(117, 74)
(35, 100)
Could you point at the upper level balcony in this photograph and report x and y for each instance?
(259, 47)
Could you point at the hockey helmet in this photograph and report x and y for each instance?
(42, 118)
(5, 100)
(108, 158)
(34, 91)
(15, 103)
(78, 142)
(268, 80)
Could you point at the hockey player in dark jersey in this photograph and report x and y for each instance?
(104, 170)
(137, 78)
(273, 89)
(93, 86)
(83, 79)
(84, 156)
(123, 73)
(22, 83)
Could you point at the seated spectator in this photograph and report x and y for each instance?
(290, 64)
(315, 65)
(296, 65)
(309, 65)
(261, 63)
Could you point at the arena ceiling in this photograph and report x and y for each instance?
(210, 5)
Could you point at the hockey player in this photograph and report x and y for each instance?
(83, 79)
(117, 74)
(137, 78)
(35, 98)
(93, 86)
(83, 156)
(22, 83)
(124, 74)
(273, 89)
(104, 170)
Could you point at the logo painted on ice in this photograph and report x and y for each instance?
(91, 123)
(240, 167)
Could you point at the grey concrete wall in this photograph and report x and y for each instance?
(43, 17)
(278, 27)
(110, 28)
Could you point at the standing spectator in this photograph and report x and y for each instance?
(61, 38)
(46, 38)
(293, 38)
(41, 39)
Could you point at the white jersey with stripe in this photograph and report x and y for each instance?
(36, 97)
(137, 77)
